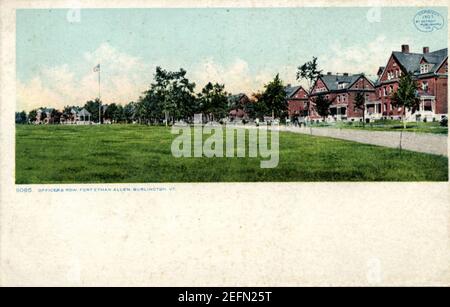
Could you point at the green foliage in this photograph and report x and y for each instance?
(213, 101)
(309, 72)
(21, 117)
(170, 97)
(360, 104)
(444, 122)
(406, 95)
(322, 106)
(274, 98)
(92, 106)
(32, 115)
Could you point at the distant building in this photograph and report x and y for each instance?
(237, 105)
(44, 115)
(297, 98)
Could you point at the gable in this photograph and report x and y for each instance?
(391, 67)
(300, 93)
(362, 83)
(319, 87)
(443, 69)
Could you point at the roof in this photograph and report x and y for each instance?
(411, 61)
(291, 90)
(234, 99)
(84, 112)
(332, 81)
(47, 110)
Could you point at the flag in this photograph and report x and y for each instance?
(97, 68)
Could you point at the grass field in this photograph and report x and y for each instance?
(135, 153)
(390, 125)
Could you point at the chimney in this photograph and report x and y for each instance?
(426, 49)
(405, 48)
(329, 73)
(345, 73)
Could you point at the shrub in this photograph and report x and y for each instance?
(444, 122)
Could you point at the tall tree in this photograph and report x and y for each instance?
(274, 97)
(322, 106)
(309, 72)
(213, 101)
(129, 111)
(32, 115)
(93, 106)
(360, 104)
(260, 107)
(406, 96)
(171, 97)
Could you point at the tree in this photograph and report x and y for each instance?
(21, 117)
(309, 71)
(93, 106)
(360, 104)
(259, 106)
(406, 95)
(110, 112)
(43, 115)
(171, 97)
(55, 116)
(213, 101)
(32, 115)
(322, 106)
(274, 97)
(129, 111)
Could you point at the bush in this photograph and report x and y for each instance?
(444, 122)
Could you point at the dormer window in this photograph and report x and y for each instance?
(342, 85)
(424, 68)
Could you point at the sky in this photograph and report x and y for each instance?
(243, 48)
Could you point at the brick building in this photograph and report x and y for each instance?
(341, 90)
(297, 98)
(429, 69)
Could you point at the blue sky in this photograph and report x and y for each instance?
(242, 48)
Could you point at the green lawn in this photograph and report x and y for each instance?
(390, 125)
(135, 153)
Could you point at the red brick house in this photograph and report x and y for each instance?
(237, 104)
(341, 90)
(297, 98)
(430, 69)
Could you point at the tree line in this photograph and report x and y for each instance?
(172, 97)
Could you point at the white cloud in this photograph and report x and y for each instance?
(360, 58)
(123, 79)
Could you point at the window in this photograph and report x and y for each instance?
(338, 98)
(342, 85)
(384, 91)
(396, 73)
(391, 89)
(384, 107)
(425, 86)
(424, 68)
